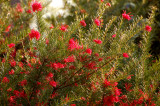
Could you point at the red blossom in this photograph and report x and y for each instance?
(29, 11)
(125, 55)
(126, 16)
(19, 8)
(73, 105)
(73, 45)
(83, 23)
(106, 83)
(50, 75)
(57, 66)
(70, 59)
(89, 51)
(13, 63)
(23, 83)
(64, 28)
(97, 41)
(97, 22)
(148, 28)
(5, 80)
(8, 28)
(51, 27)
(113, 36)
(91, 65)
(11, 72)
(36, 6)
(53, 83)
(11, 45)
(117, 91)
(34, 34)
(108, 4)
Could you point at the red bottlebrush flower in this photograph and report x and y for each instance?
(91, 65)
(23, 83)
(11, 72)
(8, 28)
(11, 99)
(117, 91)
(70, 59)
(83, 23)
(148, 28)
(73, 105)
(83, 98)
(113, 36)
(128, 86)
(53, 83)
(97, 22)
(11, 45)
(3, 60)
(50, 75)
(108, 4)
(5, 80)
(125, 55)
(20, 64)
(96, 54)
(97, 41)
(13, 63)
(102, 0)
(57, 66)
(89, 51)
(36, 6)
(39, 83)
(34, 34)
(9, 89)
(29, 11)
(51, 27)
(108, 100)
(126, 16)
(100, 59)
(64, 28)
(129, 77)
(106, 83)
(74, 45)
(19, 8)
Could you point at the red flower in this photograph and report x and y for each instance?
(51, 27)
(57, 66)
(53, 83)
(113, 36)
(89, 51)
(91, 65)
(83, 23)
(50, 75)
(34, 34)
(97, 22)
(11, 99)
(29, 11)
(19, 8)
(5, 80)
(13, 63)
(97, 41)
(108, 100)
(73, 45)
(125, 55)
(73, 105)
(11, 72)
(11, 45)
(117, 91)
(64, 28)
(108, 4)
(36, 6)
(23, 83)
(8, 28)
(106, 83)
(69, 59)
(126, 16)
(148, 28)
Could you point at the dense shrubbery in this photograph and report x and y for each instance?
(94, 60)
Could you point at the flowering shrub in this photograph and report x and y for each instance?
(73, 65)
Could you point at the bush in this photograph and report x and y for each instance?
(84, 63)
